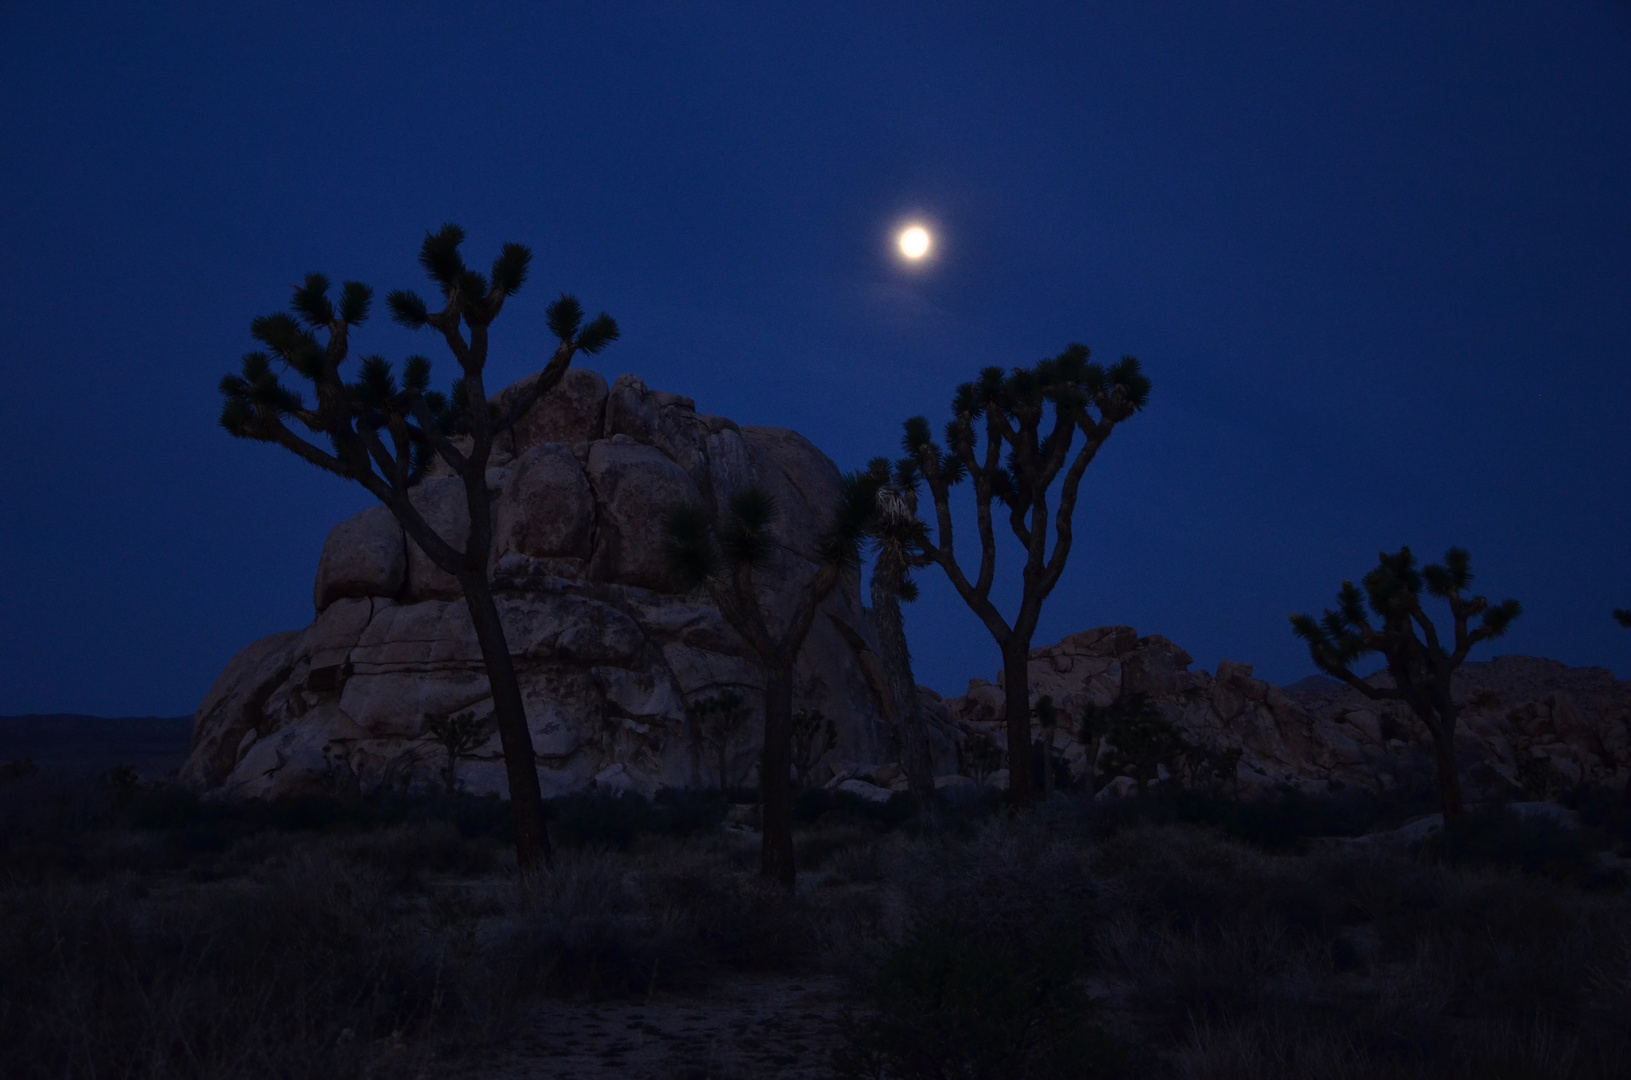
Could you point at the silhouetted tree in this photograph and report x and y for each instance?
(457, 735)
(1047, 718)
(383, 435)
(814, 734)
(1030, 418)
(723, 559)
(1420, 666)
(716, 720)
(898, 537)
(1138, 740)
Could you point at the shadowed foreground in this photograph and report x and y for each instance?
(1171, 936)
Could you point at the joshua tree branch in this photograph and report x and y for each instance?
(553, 373)
(433, 433)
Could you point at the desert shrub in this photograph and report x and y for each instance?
(619, 820)
(1529, 843)
(834, 807)
(595, 819)
(815, 845)
(1244, 954)
(1281, 821)
(583, 931)
(953, 1002)
(602, 925)
(297, 972)
(858, 864)
(745, 923)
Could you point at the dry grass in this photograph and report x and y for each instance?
(158, 938)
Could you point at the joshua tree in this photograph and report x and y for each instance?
(898, 538)
(458, 735)
(814, 734)
(721, 558)
(1420, 667)
(384, 435)
(716, 720)
(1031, 417)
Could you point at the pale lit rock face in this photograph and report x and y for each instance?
(547, 510)
(570, 414)
(637, 486)
(440, 500)
(607, 655)
(1320, 737)
(363, 556)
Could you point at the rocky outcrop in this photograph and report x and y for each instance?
(609, 654)
(1528, 725)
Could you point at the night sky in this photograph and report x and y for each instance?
(1376, 259)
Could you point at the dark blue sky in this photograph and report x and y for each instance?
(1376, 258)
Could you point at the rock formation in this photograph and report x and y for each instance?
(1526, 723)
(609, 655)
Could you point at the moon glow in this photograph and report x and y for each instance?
(914, 242)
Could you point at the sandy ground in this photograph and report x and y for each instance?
(762, 1027)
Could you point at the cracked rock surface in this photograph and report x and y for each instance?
(608, 653)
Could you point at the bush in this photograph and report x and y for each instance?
(297, 972)
(953, 1003)
(1532, 844)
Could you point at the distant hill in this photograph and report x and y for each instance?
(155, 745)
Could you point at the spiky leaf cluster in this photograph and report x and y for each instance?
(1013, 409)
(1392, 592)
(898, 537)
(377, 417)
(697, 548)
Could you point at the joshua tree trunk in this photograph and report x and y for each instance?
(1449, 779)
(897, 665)
(1016, 677)
(510, 717)
(775, 786)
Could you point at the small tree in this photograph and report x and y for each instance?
(1047, 718)
(723, 558)
(1139, 739)
(981, 755)
(457, 735)
(1420, 667)
(716, 720)
(814, 734)
(1212, 769)
(1623, 617)
(898, 538)
(1030, 418)
(384, 435)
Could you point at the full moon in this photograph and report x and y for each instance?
(914, 242)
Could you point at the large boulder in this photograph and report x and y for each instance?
(440, 500)
(363, 556)
(608, 654)
(547, 510)
(637, 486)
(572, 413)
